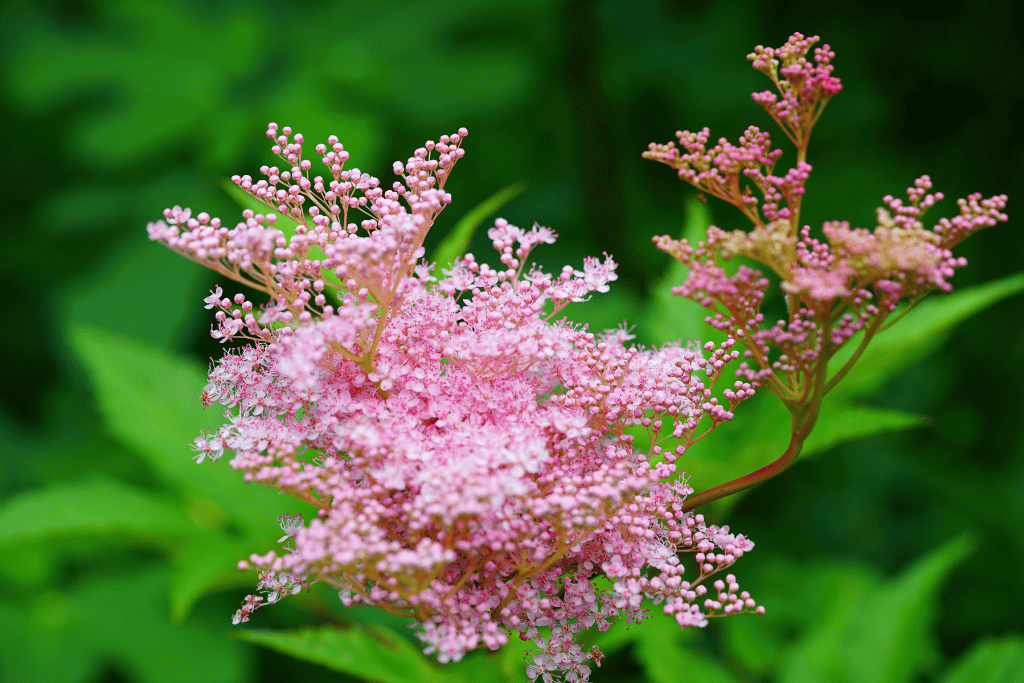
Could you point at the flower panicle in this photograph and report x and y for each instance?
(845, 284)
(473, 461)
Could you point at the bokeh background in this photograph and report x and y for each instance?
(113, 110)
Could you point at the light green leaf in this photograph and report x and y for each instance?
(991, 661)
(102, 507)
(665, 651)
(890, 639)
(918, 334)
(879, 635)
(210, 566)
(730, 453)
(816, 656)
(485, 667)
(458, 238)
(802, 598)
(285, 224)
(151, 403)
(841, 423)
(367, 652)
(512, 658)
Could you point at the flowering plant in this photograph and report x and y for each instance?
(477, 464)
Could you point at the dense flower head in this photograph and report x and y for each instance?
(472, 461)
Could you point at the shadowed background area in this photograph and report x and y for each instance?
(115, 110)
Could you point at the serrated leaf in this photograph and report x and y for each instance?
(284, 223)
(918, 334)
(102, 507)
(816, 657)
(991, 661)
(458, 238)
(841, 423)
(730, 453)
(367, 652)
(802, 598)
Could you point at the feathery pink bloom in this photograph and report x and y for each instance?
(471, 461)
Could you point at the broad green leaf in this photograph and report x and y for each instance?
(207, 567)
(458, 238)
(991, 661)
(485, 667)
(72, 637)
(367, 652)
(762, 433)
(151, 402)
(890, 638)
(665, 651)
(102, 507)
(918, 334)
(876, 635)
(802, 598)
(512, 657)
(816, 656)
(841, 423)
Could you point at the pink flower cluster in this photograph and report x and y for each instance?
(848, 282)
(805, 87)
(471, 462)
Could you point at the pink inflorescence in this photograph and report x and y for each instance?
(846, 283)
(471, 462)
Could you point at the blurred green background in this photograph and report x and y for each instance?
(890, 558)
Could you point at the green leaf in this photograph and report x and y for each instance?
(991, 661)
(120, 621)
(816, 656)
(207, 567)
(457, 240)
(665, 651)
(841, 423)
(730, 453)
(918, 334)
(151, 403)
(669, 317)
(102, 507)
(367, 652)
(890, 639)
(285, 224)
(879, 635)
(512, 658)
